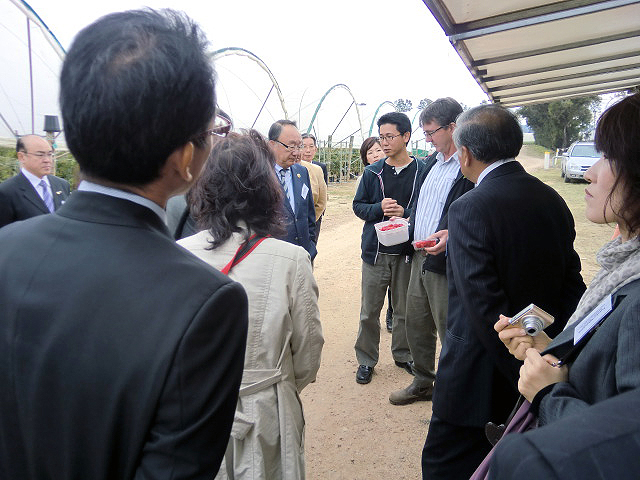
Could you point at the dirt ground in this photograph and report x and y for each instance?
(352, 431)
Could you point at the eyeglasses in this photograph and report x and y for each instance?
(290, 147)
(221, 128)
(428, 133)
(40, 154)
(388, 138)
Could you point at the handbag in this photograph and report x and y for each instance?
(520, 420)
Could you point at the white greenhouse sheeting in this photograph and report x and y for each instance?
(526, 51)
(15, 95)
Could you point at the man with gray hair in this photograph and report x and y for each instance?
(299, 212)
(510, 244)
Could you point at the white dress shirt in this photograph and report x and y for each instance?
(433, 195)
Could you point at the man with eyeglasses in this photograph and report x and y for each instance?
(299, 212)
(385, 191)
(33, 191)
(437, 187)
(121, 353)
(179, 219)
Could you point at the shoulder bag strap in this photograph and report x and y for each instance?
(243, 250)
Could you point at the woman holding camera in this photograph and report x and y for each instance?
(597, 356)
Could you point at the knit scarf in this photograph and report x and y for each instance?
(620, 262)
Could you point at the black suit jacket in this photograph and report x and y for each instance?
(301, 224)
(600, 442)
(510, 244)
(121, 353)
(19, 200)
(325, 173)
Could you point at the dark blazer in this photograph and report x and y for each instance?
(510, 244)
(323, 166)
(461, 185)
(602, 442)
(121, 353)
(301, 225)
(19, 200)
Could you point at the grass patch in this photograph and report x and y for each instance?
(533, 150)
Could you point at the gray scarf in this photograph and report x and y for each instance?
(620, 264)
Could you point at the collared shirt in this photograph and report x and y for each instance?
(35, 181)
(433, 195)
(491, 167)
(86, 186)
(289, 181)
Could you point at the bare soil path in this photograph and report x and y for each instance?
(352, 431)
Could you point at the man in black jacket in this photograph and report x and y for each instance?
(386, 190)
(439, 185)
(121, 354)
(33, 191)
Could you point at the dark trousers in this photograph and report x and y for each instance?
(452, 452)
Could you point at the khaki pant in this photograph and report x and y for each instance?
(389, 271)
(426, 316)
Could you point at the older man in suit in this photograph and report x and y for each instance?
(510, 244)
(33, 191)
(121, 353)
(285, 142)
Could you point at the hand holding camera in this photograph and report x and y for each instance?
(513, 332)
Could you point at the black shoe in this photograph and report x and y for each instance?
(389, 321)
(408, 366)
(363, 375)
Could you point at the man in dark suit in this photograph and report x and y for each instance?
(121, 354)
(285, 142)
(601, 442)
(510, 244)
(33, 191)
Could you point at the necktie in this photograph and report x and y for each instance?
(46, 196)
(283, 174)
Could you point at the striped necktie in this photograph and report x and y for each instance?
(283, 174)
(46, 196)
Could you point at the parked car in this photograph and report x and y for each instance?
(578, 158)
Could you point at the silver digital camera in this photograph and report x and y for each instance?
(532, 319)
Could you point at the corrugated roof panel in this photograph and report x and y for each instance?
(532, 51)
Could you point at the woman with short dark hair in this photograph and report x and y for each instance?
(597, 356)
(237, 200)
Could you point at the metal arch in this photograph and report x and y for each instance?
(223, 52)
(30, 13)
(376, 113)
(338, 85)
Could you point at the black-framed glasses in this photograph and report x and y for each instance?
(428, 133)
(388, 138)
(290, 147)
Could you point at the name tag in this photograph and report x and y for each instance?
(305, 191)
(591, 320)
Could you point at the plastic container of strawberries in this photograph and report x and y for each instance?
(392, 232)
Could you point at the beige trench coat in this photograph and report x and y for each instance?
(284, 342)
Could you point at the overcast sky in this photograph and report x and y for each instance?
(381, 50)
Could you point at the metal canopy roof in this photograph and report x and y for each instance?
(528, 51)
